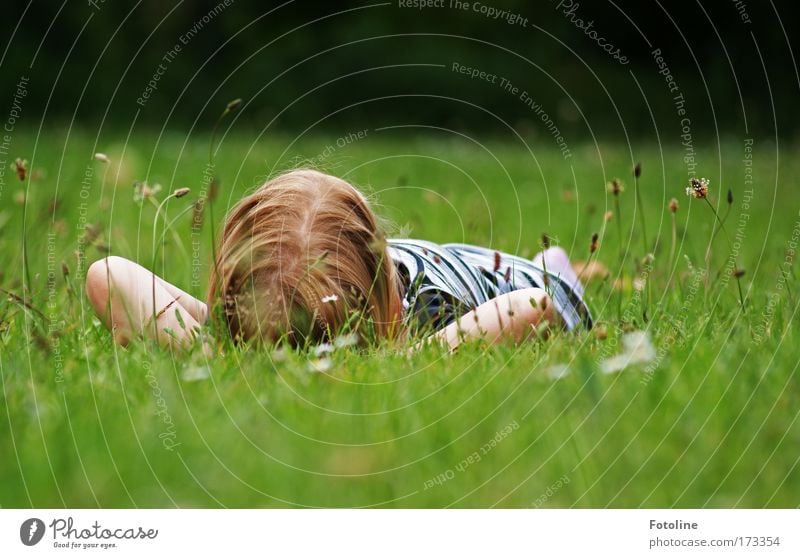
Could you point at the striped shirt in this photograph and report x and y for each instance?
(442, 282)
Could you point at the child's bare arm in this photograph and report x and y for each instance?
(514, 315)
(121, 292)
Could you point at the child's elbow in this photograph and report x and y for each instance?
(98, 277)
(93, 274)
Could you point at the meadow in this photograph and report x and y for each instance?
(709, 418)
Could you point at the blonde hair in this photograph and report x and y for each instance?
(303, 258)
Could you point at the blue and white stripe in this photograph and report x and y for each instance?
(444, 281)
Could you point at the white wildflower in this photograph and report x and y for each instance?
(329, 299)
(637, 349)
(320, 365)
(345, 341)
(323, 349)
(143, 191)
(557, 371)
(279, 355)
(195, 373)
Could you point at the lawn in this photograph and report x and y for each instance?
(709, 420)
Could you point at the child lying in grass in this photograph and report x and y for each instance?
(302, 259)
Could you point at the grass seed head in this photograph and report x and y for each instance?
(213, 189)
(595, 243)
(20, 167)
(616, 187)
(698, 188)
(91, 233)
(673, 205)
(233, 105)
(637, 170)
(102, 157)
(197, 213)
(143, 191)
(180, 192)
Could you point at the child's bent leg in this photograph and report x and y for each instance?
(122, 294)
(556, 261)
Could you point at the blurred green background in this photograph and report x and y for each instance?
(321, 64)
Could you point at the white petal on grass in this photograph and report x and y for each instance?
(638, 342)
(557, 371)
(102, 157)
(320, 365)
(279, 355)
(323, 349)
(345, 341)
(329, 298)
(637, 349)
(195, 373)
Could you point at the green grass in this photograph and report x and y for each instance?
(712, 421)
